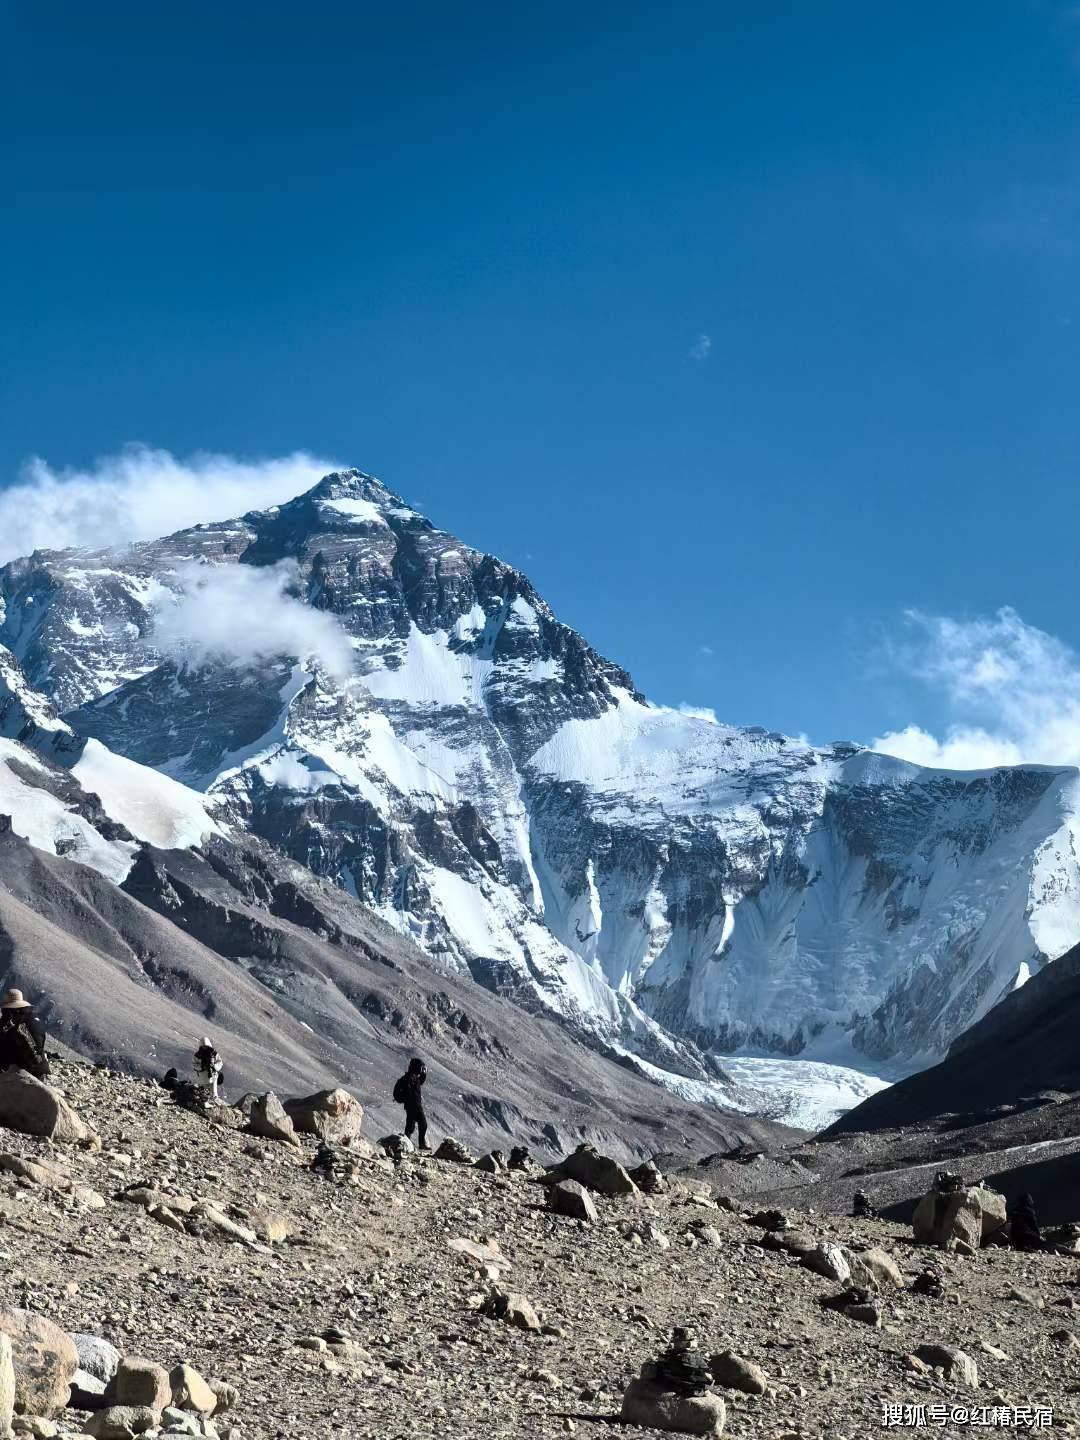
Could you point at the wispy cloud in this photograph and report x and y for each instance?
(1013, 690)
(140, 494)
(701, 348)
(243, 615)
(699, 712)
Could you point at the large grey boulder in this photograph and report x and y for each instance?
(96, 1356)
(571, 1199)
(828, 1260)
(961, 1219)
(595, 1171)
(649, 1404)
(268, 1118)
(31, 1107)
(140, 1382)
(45, 1361)
(332, 1115)
(957, 1364)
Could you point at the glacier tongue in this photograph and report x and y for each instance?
(497, 790)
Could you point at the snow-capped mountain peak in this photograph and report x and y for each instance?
(495, 788)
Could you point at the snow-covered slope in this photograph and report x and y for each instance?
(498, 791)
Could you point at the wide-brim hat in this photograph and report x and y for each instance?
(14, 1000)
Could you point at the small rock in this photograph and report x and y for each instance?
(956, 1364)
(734, 1373)
(515, 1309)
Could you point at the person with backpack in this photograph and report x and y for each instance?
(208, 1066)
(408, 1092)
(22, 1037)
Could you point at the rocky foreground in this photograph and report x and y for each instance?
(432, 1298)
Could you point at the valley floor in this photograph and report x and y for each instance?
(370, 1257)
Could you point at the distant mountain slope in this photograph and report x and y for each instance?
(1026, 1045)
(301, 989)
(499, 792)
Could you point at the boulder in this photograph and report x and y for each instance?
(734, 1373)
(87, 1392)
(7, 1385)
(479, 1255)
(96, 1356)
(881, 1268)
(571, 1199)
(31, 1107)
(493, 1163)
(269, 1120)
(208, 1220)
(648, 1178)
(595, 1171)
(190, 1391)
(515, 1309)
(792, 1242)
(332, 1115)
(227, 1395)
(139, 1383)
(39, 1172)
(828, 1260)
(120, 1422)
(454, 1150)
(956, 1364)
(45, 1360)
(954, 1219)
(649, 1404)
(397, 1147)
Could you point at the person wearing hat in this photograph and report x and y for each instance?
(208, 1066)
(22, 1036)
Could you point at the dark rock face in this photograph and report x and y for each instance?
(500, 793)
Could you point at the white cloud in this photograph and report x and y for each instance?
(244, 615)
(1014, 691)
(699, 712)
(701, 348)
(140, 494)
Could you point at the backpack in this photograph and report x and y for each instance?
(26, 1053)
(401, 1090)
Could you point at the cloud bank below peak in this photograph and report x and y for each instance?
(1013, 690)
(141, 493)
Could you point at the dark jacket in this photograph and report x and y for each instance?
(408, 1090)
(1024, 1231)
(22, 1044)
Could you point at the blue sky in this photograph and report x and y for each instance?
(475, 249)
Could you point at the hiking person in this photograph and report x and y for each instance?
(208, 1066)
(1024, 1232)
(408, 1092)
(22, 1037)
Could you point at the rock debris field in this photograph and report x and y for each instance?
(425, 1297)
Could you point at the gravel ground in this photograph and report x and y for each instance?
(370, 1257)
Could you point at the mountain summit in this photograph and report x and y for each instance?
(496, 790)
